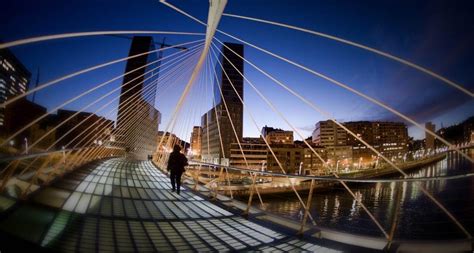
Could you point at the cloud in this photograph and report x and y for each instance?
(423, 109)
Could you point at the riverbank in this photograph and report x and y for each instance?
(283, 185)
(388, 170)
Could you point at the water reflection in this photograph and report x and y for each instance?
(418, 217)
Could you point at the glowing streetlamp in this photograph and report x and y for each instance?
(26, 145)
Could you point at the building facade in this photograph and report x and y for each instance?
(290, 158)
(277, 136)
(81, 129)
(328, 133)
(14, 79)
(430, 139)
(313, 160)
(196, 141)
(389, 138)
(138, 119)
(255, 152)
(165, 142)
(216, 123)
(339, 156)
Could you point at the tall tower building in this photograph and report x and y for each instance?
(14, 78)
(217, 118)
(137, 119)
(196, 141)
(430, 139)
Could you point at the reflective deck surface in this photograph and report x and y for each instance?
(122, 205)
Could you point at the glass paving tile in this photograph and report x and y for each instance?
(129, 208)
(125, 192)
(72, 201)
(185, 209)
(141, 209)
(117, 207)
(88, 236)
(99, 189)
(83, 203)
(235, 233)
(126, 206)
(216, 208)
(56, 228)
(153, 210)
(206, 236)
(179, 242)
(180, 214)
(134, 193)
(198, 210)
(157, 238)
(140, 237)
(244, 230)
(142, 193)
(82, 186)
(223, 236)
(123, 238)
(164, 210)
(90, 188)
(94, 205)
(190, 237)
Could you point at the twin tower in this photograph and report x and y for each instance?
(137, 119)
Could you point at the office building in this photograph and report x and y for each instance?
(81, 129)
(14, 79)
(138, 119)
(429, 138)
(196, 139)
(389, 138)
(19, 114)
(216, 123)
(328, 133)
(277, 136)
(255, 152)
(165, 142)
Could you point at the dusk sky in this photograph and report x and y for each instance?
(435, 34)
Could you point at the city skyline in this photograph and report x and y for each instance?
(437, 103)
(236, 125)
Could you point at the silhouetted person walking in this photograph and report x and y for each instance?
(176, 164)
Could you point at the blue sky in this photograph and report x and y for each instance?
(435, 34)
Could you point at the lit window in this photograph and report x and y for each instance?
(9, 65)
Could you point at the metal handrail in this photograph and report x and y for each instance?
(340, 179)
(34, 155)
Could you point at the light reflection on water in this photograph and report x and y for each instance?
(419, 218)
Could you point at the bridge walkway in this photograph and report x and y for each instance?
(127, 206)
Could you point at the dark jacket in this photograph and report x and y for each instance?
(176, 162)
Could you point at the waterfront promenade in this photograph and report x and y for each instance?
(276, 184)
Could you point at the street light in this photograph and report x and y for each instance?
(26, 145)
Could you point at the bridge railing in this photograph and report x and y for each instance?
(28, 172)
(241, 183)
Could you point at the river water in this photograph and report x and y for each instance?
(418, 218)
